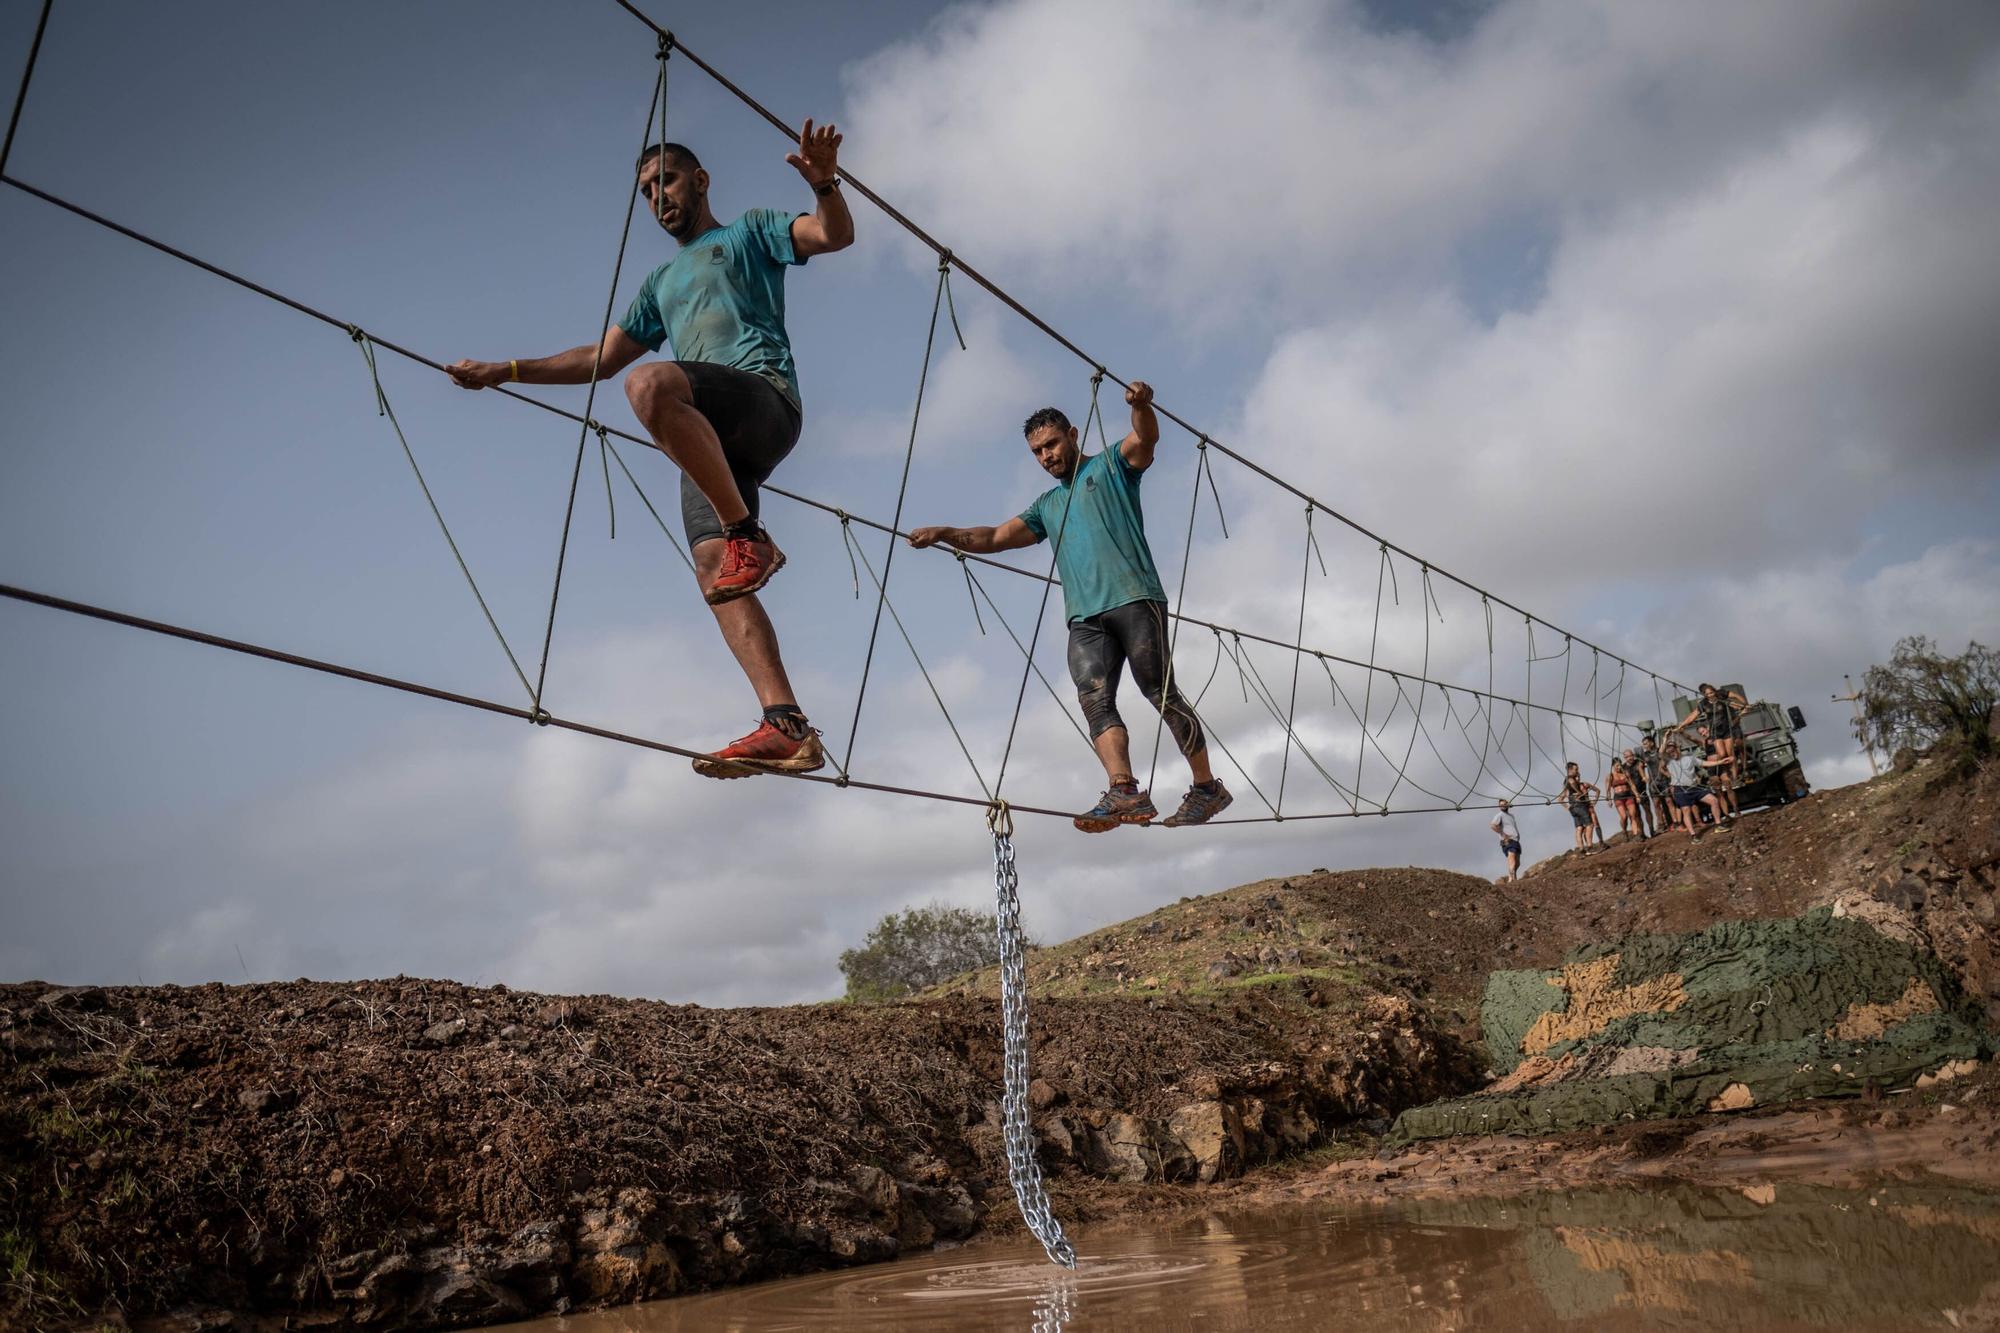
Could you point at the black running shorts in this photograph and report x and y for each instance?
(757, 425)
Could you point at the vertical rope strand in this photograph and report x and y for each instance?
(902, 491)
(596, 365)
(382, 408)
(1292, 708)
(27, 77)
(1180, 598)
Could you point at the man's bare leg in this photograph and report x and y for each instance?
(748, 632)
(1114, 751)
(663, 400)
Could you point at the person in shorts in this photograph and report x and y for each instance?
(1581, 799)
(726, 410)
(1113, 598)
(1721, 712)
(1623, 789)
(1510, 839)
(1691, 794)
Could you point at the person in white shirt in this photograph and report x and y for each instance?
(1690, 788)
(1510, 840)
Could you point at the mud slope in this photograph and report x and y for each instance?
(422, 1154)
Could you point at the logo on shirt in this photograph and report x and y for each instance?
(715, 255)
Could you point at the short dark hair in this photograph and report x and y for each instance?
(679, 154)
(1047, 416)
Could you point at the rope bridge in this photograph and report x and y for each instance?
(1492, 735)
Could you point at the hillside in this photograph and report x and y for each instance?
(422, 1154)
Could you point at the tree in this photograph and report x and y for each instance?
(1923, 699)
(920, 947)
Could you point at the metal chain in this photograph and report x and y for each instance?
(1024, 1172)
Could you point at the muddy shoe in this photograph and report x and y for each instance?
(747, 565)
(1200, 805)
(765, 750)
(1120, 805)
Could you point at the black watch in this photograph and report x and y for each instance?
(825, 188)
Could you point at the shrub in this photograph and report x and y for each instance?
(1924, 700)
(909, 950)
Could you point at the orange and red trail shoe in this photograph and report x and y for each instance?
(747, 565)
(765, 750)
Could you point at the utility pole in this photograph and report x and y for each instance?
(1854, 697)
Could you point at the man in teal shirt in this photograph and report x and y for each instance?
(726, 409)
(1112, 596)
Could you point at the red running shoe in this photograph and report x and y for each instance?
(747, 565)
(765, 750)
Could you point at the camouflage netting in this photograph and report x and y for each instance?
(1741, 1014)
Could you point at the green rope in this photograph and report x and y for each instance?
(382, 409)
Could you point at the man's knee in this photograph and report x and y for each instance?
(654, 385)
(1099, 697)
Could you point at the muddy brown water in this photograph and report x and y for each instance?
(1786, 1256)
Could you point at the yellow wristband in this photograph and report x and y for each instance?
(514, 370)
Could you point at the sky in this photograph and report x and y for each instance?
(1671, 324)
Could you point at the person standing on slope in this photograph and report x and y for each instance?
(1509, 830)
(726, 409)
(1112, 596)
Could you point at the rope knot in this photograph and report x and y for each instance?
(666, 47)
(1201, 443)
(541, 716)
(356, 332)
(1097, 377)
(1000, 819)
(944, 260)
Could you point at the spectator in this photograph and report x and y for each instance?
(1625, 796)
(1719, 760)
(1581, 798)
(1654, 765)
(1690, 788)
(1510, 839)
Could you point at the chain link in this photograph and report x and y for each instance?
(1023, 1171)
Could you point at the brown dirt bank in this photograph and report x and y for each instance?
(419, 1153)
(423, 1154)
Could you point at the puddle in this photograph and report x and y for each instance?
(1766, 1256)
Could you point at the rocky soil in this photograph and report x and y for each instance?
(415, 1153)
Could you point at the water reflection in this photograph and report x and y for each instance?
(1793, 1256)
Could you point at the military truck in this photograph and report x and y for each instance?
(1771, 771)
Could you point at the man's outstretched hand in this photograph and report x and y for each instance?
(477, 374)
(926, 537)
(818, 156)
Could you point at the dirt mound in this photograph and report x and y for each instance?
(418, 1153)
(423, 1154)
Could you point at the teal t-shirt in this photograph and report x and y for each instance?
(722, 299)
(1102, 555)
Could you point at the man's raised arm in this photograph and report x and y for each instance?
(1138, 446)
(829, 226)
(1008, 536)
(620, 350)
